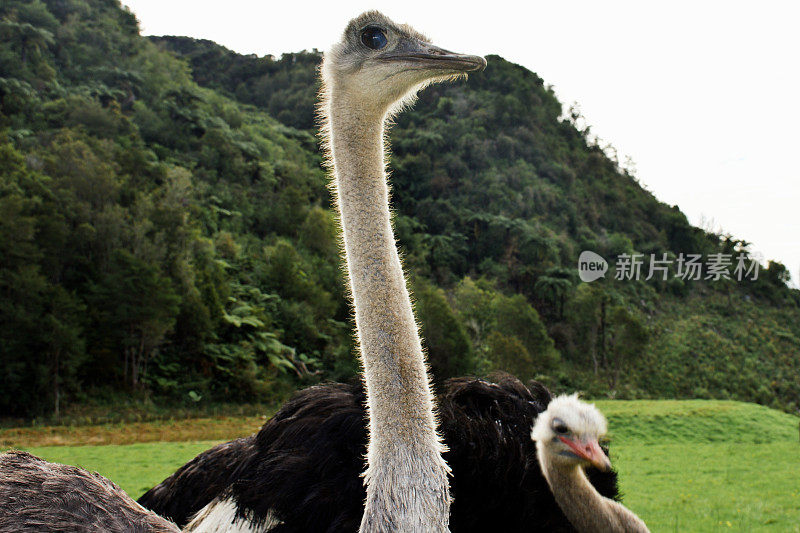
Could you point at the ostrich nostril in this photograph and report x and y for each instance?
(436, 51)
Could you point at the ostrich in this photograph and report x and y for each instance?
(566, 437)
(38, 496)
(376, 68)
(301, 472)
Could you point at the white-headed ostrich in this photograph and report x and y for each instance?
(37, 496)
(301, 472)
(566, 436)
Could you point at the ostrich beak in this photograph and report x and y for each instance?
(590, 451)
(427, 56)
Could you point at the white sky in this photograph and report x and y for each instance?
(702, 95)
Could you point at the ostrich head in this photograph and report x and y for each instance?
(567, 433)
(382, 64)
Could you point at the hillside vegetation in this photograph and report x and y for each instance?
(166, 235)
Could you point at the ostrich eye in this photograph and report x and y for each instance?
(374, 38)
(560, 427)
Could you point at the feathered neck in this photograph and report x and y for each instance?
(586, 509)
(406, 477)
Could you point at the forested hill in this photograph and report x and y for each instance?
(166, 234)
(494, 149)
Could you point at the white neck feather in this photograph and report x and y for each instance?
(406, 477)
(586, 509)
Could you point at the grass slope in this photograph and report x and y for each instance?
(685, 466)
(704, 465)
(696, 421)
(708, 487)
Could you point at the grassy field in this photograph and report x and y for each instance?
(184, 430)
(684, 465)
(707, 465)
(134, 467)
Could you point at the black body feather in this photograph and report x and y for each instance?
(304, 466)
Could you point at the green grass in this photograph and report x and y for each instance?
(134, 467)
(685, 466)
(706, 465)
(693, 421)
(712, 487)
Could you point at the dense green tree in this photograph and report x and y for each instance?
(134, 307)
(507, 331)
(446, 342)
(516, 318)
(166, 228)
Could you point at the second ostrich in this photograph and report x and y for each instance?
(566, 436)
(37, 496)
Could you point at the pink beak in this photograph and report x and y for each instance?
(590, 451)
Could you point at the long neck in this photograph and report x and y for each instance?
(586, 509)
(407, 486)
